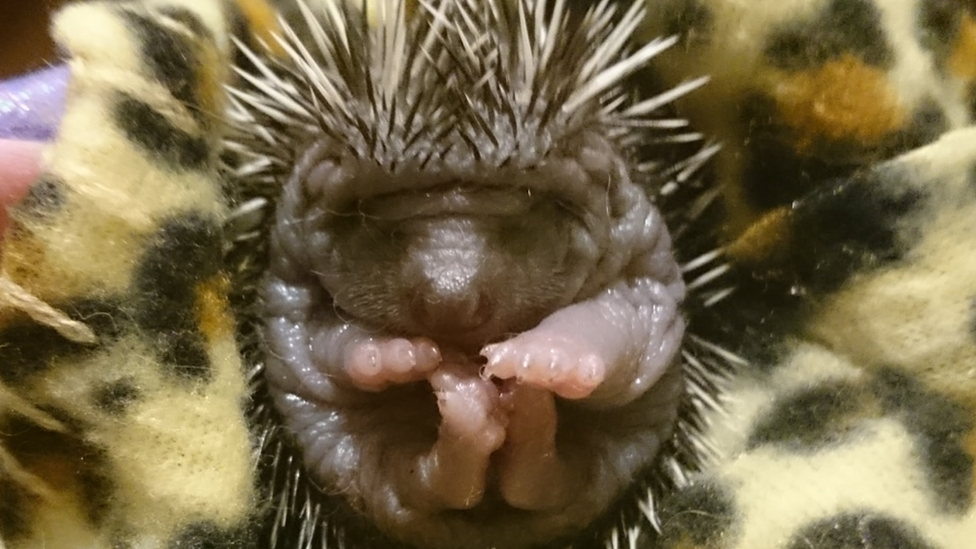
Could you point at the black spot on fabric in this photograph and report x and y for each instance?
(96, 486)
(775, 173)
(845, 26)
(752, 323)
(29, 443)
(206, 535)
(45, 197)
(28, 348)
(971, 99)
(858, 531)
(158, 136)
(115, 397)
(16, 510)
(938, 24)
(186, 251)
(810, 418)
(690, 19)
(851, 224)
(928, 123)
(939, 18)
(940, 427)
(701, 514)
(168, 55)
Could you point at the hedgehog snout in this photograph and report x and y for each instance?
(451, 299)
(452, 312)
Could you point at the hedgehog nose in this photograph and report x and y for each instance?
(452, 312)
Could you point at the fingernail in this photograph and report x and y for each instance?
(31, 105)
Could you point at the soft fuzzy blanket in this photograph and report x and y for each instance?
(847, 299)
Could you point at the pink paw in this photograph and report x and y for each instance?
(469, 408)
(546, 361)
(472, 427)
(373, 365)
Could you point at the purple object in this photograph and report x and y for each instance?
(31, 105)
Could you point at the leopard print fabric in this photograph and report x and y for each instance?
(135, 438)
(848, 185)
(848, 177)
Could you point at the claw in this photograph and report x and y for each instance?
(374, 365)
(557, 364)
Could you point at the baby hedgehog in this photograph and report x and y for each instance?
(470, 307)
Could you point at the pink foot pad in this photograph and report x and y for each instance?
(472, 428)
(375, 364)
(548, 361)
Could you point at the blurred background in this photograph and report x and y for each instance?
(24, 41)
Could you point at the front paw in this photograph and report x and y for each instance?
(567, 367)
(372, 365)
(469, 408)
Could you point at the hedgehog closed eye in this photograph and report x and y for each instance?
(509, 290)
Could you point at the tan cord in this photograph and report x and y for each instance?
(9, 465)
(11, 468)
(12, 402)
(15, 296)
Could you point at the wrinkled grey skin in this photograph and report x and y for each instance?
(427, 328)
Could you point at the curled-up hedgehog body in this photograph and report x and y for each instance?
(469, 314)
